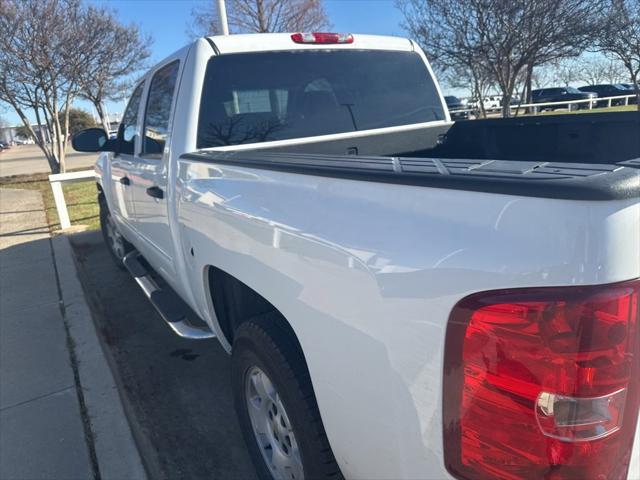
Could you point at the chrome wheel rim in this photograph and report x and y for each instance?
(116, 242)
(271, 427)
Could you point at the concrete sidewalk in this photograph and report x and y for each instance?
(60, 413)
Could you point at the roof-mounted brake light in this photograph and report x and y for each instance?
(322, 38)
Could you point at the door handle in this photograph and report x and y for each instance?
(125, 181)
(155, 192)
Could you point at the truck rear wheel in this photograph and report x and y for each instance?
(116, 244)
(276, 405)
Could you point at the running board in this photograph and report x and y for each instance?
(169, 307)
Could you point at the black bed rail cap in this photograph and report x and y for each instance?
(570, 181)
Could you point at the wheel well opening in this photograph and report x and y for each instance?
(235, 302)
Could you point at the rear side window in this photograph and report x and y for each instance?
(259, 97)
(156, 118)
(129, 125)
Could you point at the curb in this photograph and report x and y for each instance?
(116, 451)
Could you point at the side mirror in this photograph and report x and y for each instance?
(92, 140)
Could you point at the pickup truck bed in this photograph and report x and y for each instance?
(579, 157)
(580, 138)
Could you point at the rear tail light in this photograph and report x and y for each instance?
(543, 383)
(322, 38)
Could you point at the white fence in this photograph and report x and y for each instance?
(535, 108)
(58, 195)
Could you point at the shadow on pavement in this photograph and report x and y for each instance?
(176, 392)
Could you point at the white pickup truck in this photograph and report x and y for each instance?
(402, 296)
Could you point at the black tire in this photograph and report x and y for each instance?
(105, 218)
(266, 343)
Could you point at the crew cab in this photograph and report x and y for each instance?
(403, 296)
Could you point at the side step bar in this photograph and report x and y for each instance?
(168, 306)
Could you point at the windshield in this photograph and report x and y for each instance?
(259, 97)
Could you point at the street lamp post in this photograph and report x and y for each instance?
(222, 15)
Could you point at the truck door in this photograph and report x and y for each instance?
(150, 168)
(121, 162)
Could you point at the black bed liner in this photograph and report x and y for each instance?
(572, 181)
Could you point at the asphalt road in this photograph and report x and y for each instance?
(176, 392)
(28, 159)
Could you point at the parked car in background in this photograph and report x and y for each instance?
(4, 146)
(559, 94)
(632, 90)
(457, 109)
(629, 86)
(491, 102)
(609, 90)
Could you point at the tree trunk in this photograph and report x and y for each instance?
(41, 140)
(102, 114)
(634, 76)
(528, 84)
(65, 138)
(506, 104)
(478, 94)
(523, 94)
(54, 165)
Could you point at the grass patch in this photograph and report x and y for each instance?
(619, 108)
(81, 198)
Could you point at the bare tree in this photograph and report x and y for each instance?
(601, 69)
(261, 16)
(451, 42)
(541, 77)
(476, 80)
(125, 51)
(566, 71)
(46, 48)
(504, 37)
(619, 37)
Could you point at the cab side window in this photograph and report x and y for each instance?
(129, 125)
(156, 118)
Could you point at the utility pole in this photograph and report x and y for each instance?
(222, 14)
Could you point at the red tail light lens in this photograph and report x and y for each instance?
(322, 38)
(543, 383)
